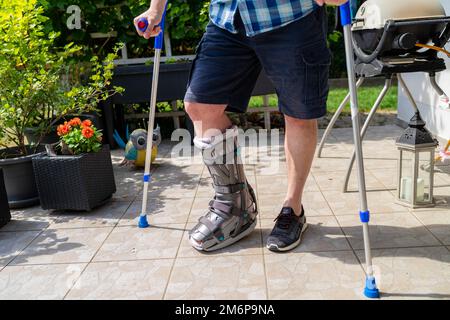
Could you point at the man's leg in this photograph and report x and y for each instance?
(232, 213)
(207, 118)
(300, 145)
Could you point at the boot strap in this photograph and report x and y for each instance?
(233, 188)
(227, 209)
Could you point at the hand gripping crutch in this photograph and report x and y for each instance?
(143, 25)
(371, 290)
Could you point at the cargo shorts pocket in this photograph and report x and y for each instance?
(316, 59)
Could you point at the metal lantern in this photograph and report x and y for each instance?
(416, 165)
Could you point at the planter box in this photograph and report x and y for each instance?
(5, 214)
(19, 180)
(75, 183)
(137, 81)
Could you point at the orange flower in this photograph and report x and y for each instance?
(75, 122)
(86, 123)
(87, 132)
(63, 129)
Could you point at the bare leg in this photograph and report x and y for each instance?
(300, 146)
(207, 118)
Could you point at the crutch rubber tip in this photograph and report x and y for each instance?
(371, 290)
(143, 222)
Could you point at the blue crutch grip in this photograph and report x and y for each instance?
(143, 25)
(346, 14)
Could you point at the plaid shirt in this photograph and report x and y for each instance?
(259, 15)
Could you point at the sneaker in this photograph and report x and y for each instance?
(288, 231)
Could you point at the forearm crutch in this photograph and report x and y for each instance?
(371, 290)
(143, 25)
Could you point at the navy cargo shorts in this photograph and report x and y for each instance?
(295, 57)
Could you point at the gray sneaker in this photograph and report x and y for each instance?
(288, 231)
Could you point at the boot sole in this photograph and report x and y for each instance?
(229, 241)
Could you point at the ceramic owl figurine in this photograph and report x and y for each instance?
(135, 149)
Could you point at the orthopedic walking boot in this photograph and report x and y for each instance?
(232, 213)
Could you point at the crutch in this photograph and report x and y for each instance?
(371, 290)
(143, 25)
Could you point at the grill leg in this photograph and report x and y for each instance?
(408, 93)
(335, 118)
(387, 86)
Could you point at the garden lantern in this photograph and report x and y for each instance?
(416, 165)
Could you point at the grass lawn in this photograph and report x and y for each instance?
(367, 96)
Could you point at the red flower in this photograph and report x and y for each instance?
(87, 132)
(86, 123)
(75, 122)
(63, 129)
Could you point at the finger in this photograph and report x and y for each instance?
(155, 32)
(320, 2)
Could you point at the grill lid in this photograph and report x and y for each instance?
(373, 14)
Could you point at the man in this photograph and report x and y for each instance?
(288, 39)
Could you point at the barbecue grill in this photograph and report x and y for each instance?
(391, 37)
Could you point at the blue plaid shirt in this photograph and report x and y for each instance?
(259, 15)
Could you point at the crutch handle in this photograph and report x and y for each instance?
(143, 25)
(346, 14)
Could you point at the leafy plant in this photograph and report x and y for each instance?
(186, 22)
(32, 69)
(77, 137)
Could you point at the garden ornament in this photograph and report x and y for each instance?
(136, 148)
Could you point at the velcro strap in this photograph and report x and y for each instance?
(211, 227)
(233, 188)
(227, 209)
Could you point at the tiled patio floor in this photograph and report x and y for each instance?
(103, 255)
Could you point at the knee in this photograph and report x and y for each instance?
(198, 111)
(302, 123)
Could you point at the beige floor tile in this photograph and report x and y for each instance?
(132, 243)
(29, 219)
(442, 180)
(380, 164)
(387, 176)
(323, 275)
(63, 246)
(271, 168)
(393, 230)
(348, 203)
(12, 243)
(227, 278)
(105, 216)
(329, 164)
(278, 184)
(313, 202)
(323, 234)
(412, 273)
(438, 222)
(124, 280)
(334, 181)
(160, 211)
(251, 245)
(39, 282)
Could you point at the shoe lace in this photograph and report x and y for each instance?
(283, 220)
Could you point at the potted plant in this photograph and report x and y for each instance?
(37, 90)
(5, 214)
(78, 175)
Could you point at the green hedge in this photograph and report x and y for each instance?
(186, 19)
